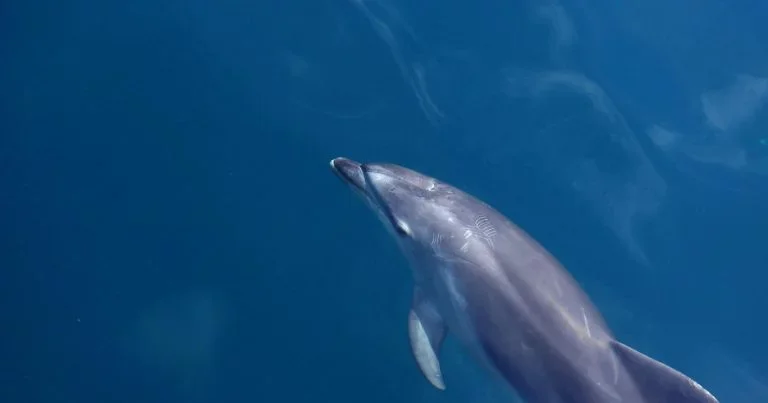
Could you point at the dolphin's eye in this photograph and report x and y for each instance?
(402, 228)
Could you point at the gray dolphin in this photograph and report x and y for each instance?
(508, 301)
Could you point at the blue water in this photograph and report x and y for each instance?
(170, 230)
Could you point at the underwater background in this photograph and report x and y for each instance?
(170, 230)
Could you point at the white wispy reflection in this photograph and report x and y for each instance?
(729, 140)
(710, 149)
(399, 36)
(392, 29)
(728, 108)
(562, 31)
(603, 162)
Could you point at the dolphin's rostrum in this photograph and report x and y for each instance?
(509, 302)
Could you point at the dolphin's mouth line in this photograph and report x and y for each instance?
(346, 179)
(357, 176)
(351, 173)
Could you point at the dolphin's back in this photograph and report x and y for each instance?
(531, 319)
(538, 329)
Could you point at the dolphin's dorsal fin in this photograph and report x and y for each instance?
(426, 330)
(658, 382)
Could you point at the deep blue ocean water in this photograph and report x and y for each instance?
(170, 230)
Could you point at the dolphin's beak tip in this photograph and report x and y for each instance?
(336, 161)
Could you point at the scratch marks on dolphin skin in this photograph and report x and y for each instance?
(586, 322)
(464, 248)
(482, 229)
(487, 229)
(437, 240)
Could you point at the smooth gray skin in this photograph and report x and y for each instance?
(509, 302)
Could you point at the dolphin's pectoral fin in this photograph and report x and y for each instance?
(426, 330)
(658, 382)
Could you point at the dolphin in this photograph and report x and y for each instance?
(508, 301)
